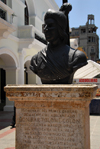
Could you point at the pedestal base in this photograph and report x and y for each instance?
(52, 116)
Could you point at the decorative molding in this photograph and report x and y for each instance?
(81, 93)
(25, 43)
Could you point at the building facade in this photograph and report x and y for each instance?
(21, 37)
(87, 38)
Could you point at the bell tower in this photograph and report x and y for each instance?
(90, 19)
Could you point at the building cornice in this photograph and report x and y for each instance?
(6, 28)
(6, 25)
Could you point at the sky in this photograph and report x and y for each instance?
(80, 10)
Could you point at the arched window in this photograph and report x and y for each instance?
(26, 15)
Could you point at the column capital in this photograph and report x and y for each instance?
(10, 68)
(22, 52)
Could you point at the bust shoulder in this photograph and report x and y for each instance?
(79, 59)
(81, 56)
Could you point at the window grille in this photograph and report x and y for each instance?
(2, 14)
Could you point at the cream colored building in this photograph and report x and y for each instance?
(20, 38)
(87, 38)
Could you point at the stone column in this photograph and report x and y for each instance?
(38, 80)
(21, 70)
(52, 116)
(11, 78)
(31, 77)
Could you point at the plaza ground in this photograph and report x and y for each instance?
(7, 135)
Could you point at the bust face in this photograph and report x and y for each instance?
(50, 30)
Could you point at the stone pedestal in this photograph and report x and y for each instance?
(52, 116)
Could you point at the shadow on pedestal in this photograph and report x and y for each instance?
(95, 107)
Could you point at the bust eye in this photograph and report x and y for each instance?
(50, 25)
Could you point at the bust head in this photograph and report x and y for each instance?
(51, 31)
(55, 24)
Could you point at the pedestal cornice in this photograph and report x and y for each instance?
(53, 92)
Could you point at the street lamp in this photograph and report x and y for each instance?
(67, 30)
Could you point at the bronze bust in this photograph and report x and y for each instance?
(57, 62)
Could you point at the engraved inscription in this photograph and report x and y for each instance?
(50, 95)
(51, 128)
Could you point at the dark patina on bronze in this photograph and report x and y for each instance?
(57, 62)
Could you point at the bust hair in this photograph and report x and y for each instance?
(61, 20)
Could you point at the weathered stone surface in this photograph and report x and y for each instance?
(50, 92)
(52, 116)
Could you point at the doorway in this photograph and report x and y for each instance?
(2, 84)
